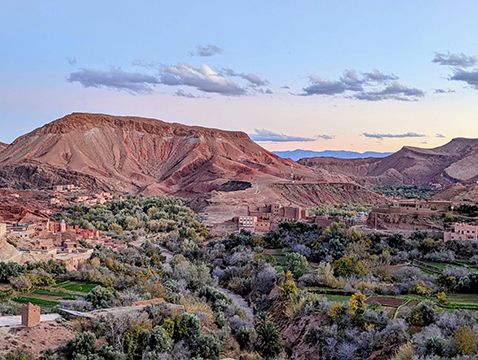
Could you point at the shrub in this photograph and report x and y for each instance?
(269, 341)
(423, 314)
(466, 342)
(243, 336)
(405, 352)
(288, 289)
(207, 347)
(357, 304)
(82, 345)
(336, 310)
(101, 297)
(10, 269)
(297, 264)
(159, 340)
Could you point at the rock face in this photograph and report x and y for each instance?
(3, 146)
(446, 165)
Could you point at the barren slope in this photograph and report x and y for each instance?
(3, 146)
(446, 165)
(138, 155)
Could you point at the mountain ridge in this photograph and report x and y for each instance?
(446, 165)
(298, 154)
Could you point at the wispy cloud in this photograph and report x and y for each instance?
(382, 136)
(456, 60)
(443, 91)
(325, 137)
(115, 78)
(71, 60)
(268, 135)
(368, 86)
(182, 93)
(440, 136)
(253, 79)
(209, 50)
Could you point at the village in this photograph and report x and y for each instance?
(37, 237)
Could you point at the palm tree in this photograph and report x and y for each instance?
(269, 340)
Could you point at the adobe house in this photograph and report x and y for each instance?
(30, 315)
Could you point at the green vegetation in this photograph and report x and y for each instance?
(344, 210)
(35, 301)
(78, 287)
(155, 214)
(405, 191)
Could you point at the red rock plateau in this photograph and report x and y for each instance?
(452, 163)
(138, 155)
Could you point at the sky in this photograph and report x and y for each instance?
(339, 75)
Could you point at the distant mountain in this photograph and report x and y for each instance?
(452, 163)
(340, 154)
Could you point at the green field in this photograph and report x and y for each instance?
(78, 287)
(64, 296)
(35, 301)
(338, 298)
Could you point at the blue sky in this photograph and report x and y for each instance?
(354, 75)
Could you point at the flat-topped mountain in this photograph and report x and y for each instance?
(455, 162)
(133, 154)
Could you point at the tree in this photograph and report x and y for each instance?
(465, 341)
(207, 347)
(159, 340)
(269, 341)
(357, 304)
(346, 266)
(101, 297)
(10, 269)
(82, 345)
(297, 264)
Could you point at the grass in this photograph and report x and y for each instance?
(64, 296)
(338, 298)
(79, 287)
(34, 301)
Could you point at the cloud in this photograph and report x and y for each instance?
(71, 60)
(202, 78)
(382, 136)
(440, 136)
(253, 79)
(181, 93)
(457, 60)
(115, 79)
(319, 86)
(379, 77)
(394, 91)
(285, 87)
(470, 77)
(209, 50)
(442, 91)
(267, 135)
(368, 86)
(325, 137)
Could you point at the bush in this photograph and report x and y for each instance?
(466, 342)
(288, 289)
(101, 297)
(297, 264)
(207, 347)
(10, 269)
(357, 304)
(243, 336)
(423, 314)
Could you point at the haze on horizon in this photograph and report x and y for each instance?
(316, 75)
